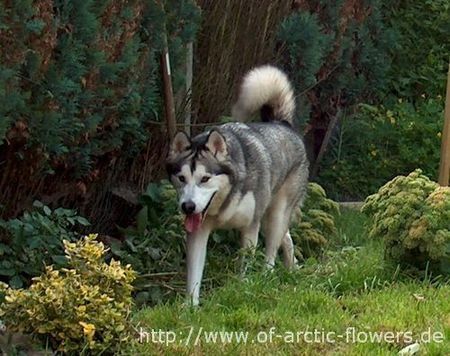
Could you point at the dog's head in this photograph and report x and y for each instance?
(199, 170)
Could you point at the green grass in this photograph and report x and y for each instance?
(349, 287)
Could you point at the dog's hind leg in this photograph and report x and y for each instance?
(288, 251)
(278, 216)
(276, 223)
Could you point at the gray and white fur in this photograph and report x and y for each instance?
(245, 176)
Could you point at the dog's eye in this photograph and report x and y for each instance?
(182, 179)
(205, 179)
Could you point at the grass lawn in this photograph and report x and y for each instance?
(349, 296)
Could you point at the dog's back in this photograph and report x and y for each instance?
(265, 154)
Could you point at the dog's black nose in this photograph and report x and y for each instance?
(188, 207)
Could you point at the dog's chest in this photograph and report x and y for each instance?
(239, 212)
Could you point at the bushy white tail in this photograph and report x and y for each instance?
(265, 87)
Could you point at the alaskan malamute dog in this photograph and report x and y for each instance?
(242, 176)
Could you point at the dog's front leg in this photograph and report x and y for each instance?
(249, 240)
(195, 254)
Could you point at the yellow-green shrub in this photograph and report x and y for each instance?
(85, 306)
(316, 222)
(412, 215)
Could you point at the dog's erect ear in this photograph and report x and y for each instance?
(217, 145)
(180, 143)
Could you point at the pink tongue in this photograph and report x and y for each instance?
(192, 222)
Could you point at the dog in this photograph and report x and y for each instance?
(245, 176)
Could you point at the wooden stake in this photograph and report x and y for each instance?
(169, 105)
(188, 96)
(444, 168)
(323, 147)
(169, 102)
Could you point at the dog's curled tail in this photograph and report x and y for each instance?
(265, 89)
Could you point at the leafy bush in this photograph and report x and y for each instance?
(79, 88)
(379, 144)
(30, 242)
(159, 226)
(412, 215)
(155, 245)
(420, 47)
(316, 222)
(385, 141)
(87, 91)
(83, 307)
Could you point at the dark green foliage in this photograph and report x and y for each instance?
(420, 52)
(336, 53)
(307, 48)
(155, 244)
(403, 134)
(34, 240)
(379, 143)
(79, 84)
